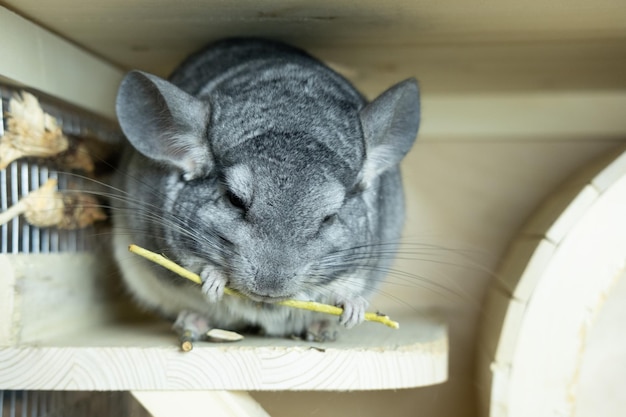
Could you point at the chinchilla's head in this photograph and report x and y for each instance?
(271, 188)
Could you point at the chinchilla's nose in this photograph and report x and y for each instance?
(273, 268)
(275, 272)
(273, 282)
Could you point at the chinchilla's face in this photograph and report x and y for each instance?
(276, 171)
(278, 227)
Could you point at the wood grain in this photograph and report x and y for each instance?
(147, 358)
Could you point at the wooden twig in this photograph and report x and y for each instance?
(186, 341)
(303, 305)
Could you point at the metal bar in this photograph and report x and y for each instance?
(35, 232)
(20, 178)
(24, 190)
(45, 233)
(34, 404)
(13, 404)
(15, 224)
(24, 403)
(4, 205)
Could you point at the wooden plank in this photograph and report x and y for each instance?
(557, 215)
(199, 403)
(483, 381)
(493, 68)
(518, 274)
(8, 302)
(603, 369)
(127, 357)
(611, 174)
(527, 116)
(346, 23)
(492, 385)
(47, 295)
(503, 318)
(560, 213)
(34, 57)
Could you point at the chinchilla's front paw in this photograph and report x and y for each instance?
(192, 325)
(353, 311)
(213, 283)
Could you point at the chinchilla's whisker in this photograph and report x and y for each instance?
(118, 194)
(146, 211)
(404, 246)
(363, 262)
(115, 192)
(408, 281)
(432, 255)
(377, 249)
(338, 293)
(177, 225)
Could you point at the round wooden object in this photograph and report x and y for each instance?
(553, 322)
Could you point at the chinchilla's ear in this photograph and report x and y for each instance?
(390, 124)
(165, 123)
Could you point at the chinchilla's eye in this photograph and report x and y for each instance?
(235, 200)
(328, 220)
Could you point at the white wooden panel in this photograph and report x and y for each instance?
(31, 56)
(199, 404)
(483, 381)
(602, 371)
(501, 321)
(557, 216)
(7, 302)
(48, 295)
(528, 116)
(553, 335)
(148, 26)
(611, 174)
(519, 273)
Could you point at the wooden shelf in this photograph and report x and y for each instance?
(63, 330)
(140, 357)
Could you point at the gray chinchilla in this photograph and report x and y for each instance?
(261, 169)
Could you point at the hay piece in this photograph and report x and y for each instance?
(46, 207)
(31, 132)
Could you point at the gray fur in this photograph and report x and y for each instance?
(261, 169)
